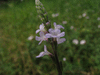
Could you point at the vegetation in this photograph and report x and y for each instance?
(19, 20)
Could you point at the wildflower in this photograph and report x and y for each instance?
(55, 15)
(98, 18)
(87, 17)
(60, 40)
(82, 42)
(71, 27)
(57, 26)
(30, 37)
(98, 26)
(48, 23)
(80, 16)
(64, 22)
(41, 38)
(64, 59)
(55, 33)
(45, 52)
(84, 14)
(41, 28)
(75, 41)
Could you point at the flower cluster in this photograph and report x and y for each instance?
(55, 33)
(51, 33)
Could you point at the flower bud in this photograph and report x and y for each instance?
(37, 2)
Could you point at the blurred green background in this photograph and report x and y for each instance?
(19, 20)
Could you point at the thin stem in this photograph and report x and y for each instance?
(56, 58)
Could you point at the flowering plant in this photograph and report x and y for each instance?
(52, 36)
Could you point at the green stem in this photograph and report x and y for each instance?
(56, 58)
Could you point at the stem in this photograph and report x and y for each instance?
(56, 58)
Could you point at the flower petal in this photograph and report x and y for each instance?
(51, 30)
(59, 26)
(57, 31)
(61, 34)
(38, 38)
(40, 42)
(60, 40)
(54, 36)
(37, 31)
(41, 34)
(54, 24)
(45, 48)
(43, 53)
(40, 55)
(48, 35)
(41, 26)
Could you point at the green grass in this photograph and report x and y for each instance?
(19, 20)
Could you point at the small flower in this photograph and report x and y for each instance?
(84, 14)
(45, 52)
(41, 28)
(98, 26)
(48, 23)
(82, 42)
(64, 59)
(55, 33)
(98, 18)
(58, 26)
(64, 22)
(79, 16)
(87, 17)
(55, 15)
(60, 40)
(30, 37)
(75, 41)
(72, 27)
(41, 38)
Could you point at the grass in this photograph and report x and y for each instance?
(18, 20)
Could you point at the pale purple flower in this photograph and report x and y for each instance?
(82, 42)
(41, 28)
(87, 17)
(55, 15)
(45, 52)
(64, 59)
(58, 26)
(75, 41)
(98, 26)
(84, 14)
(72, 27)
(60, 40)
(64, 22)
(41, 38)
(79, 16)
(55, 33)
(98, 18)
(48, 23)
(30, 37)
